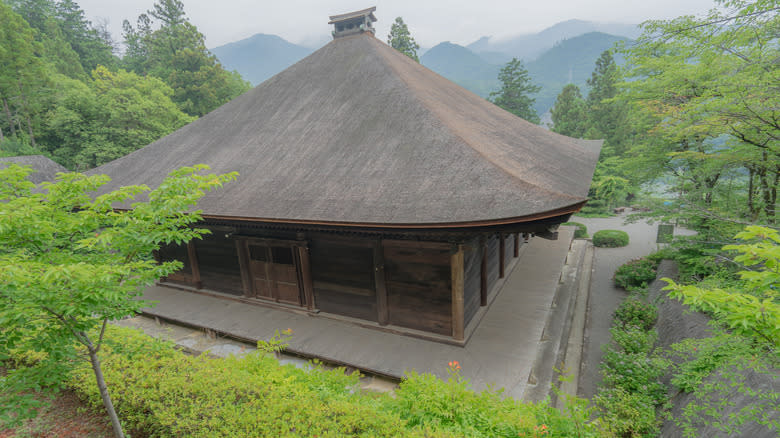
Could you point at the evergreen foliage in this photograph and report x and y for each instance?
(400, 39)
(569, 115)
(176, 53)
(516, 90)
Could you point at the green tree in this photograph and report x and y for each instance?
(69, 263)
(176, 53)
(23, 75)
(115, 114)
(516, 88)
(569, 115)
(710, 84)
(63, 22)
(400, 39)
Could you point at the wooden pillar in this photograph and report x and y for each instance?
(308, 285)
(458, 318)
(517, 245)
(382, 312)
(243, 265)
(501, 254)
(194, 264)
(483, 280)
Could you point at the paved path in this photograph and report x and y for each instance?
(604, 296)
(501, 351)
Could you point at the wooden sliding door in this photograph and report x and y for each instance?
(273, 271)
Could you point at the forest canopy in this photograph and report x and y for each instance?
(66, 92)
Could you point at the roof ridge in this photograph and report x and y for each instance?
(496, 163)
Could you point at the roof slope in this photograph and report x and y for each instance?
(357, 133)
(45, 169)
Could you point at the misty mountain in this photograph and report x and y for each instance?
(569, 61)
(462, 66)
(529, 46)
(260, 56)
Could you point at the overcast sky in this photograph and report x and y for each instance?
(430, 21)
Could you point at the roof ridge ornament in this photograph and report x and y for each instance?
(353, 23)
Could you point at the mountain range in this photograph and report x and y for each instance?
(561, 54)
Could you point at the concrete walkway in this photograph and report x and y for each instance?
(604, 295)
(501, 352)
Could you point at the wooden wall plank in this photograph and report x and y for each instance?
(383, 314)
(343, 277)
(419, 289)
(472, 279)
(483, 288)
(218, 264)
(457, 269)
(501, 255)
(243, 263)
(306, 281)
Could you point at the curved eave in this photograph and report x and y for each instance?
(425, 226)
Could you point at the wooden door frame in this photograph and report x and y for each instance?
(301, 262)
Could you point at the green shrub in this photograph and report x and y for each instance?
(161, 392)
(636, 274)
(635, 312)
(635, 372)
(610, 238)
(626, 414)
(581, 232)
(634, 339)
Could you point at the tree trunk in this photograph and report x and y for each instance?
(30, 130)
(1, 135)
(27, 115)
(101, 382)
(10, 119)
(751, 203)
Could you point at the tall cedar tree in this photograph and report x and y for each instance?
(400, 39)
(516, 88)
(70, 263)
(569, 115)
(176, 53)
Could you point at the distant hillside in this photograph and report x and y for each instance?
(462, 66)
(570, 61)
(529, 46)
(259, 57)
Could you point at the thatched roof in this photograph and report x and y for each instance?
(45, 169)
(357, 133)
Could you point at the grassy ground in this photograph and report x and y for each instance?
(65, 417)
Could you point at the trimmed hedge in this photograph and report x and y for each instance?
(581, 232)
(159, 391)
(610, 238)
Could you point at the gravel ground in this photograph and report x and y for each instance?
(604, 296)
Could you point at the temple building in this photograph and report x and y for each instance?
(370, 189)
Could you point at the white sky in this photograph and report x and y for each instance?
(430, 21)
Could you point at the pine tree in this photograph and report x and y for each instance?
(400, 39)
(569, 115)
(516, 88)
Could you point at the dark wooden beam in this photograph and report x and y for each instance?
(483, 292)
(243, 264)
(305, 267)
(517, 245)
(193, 255)
(382, 310)
(458, 319)
(501, 254)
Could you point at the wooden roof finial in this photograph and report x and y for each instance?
(353, 23)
